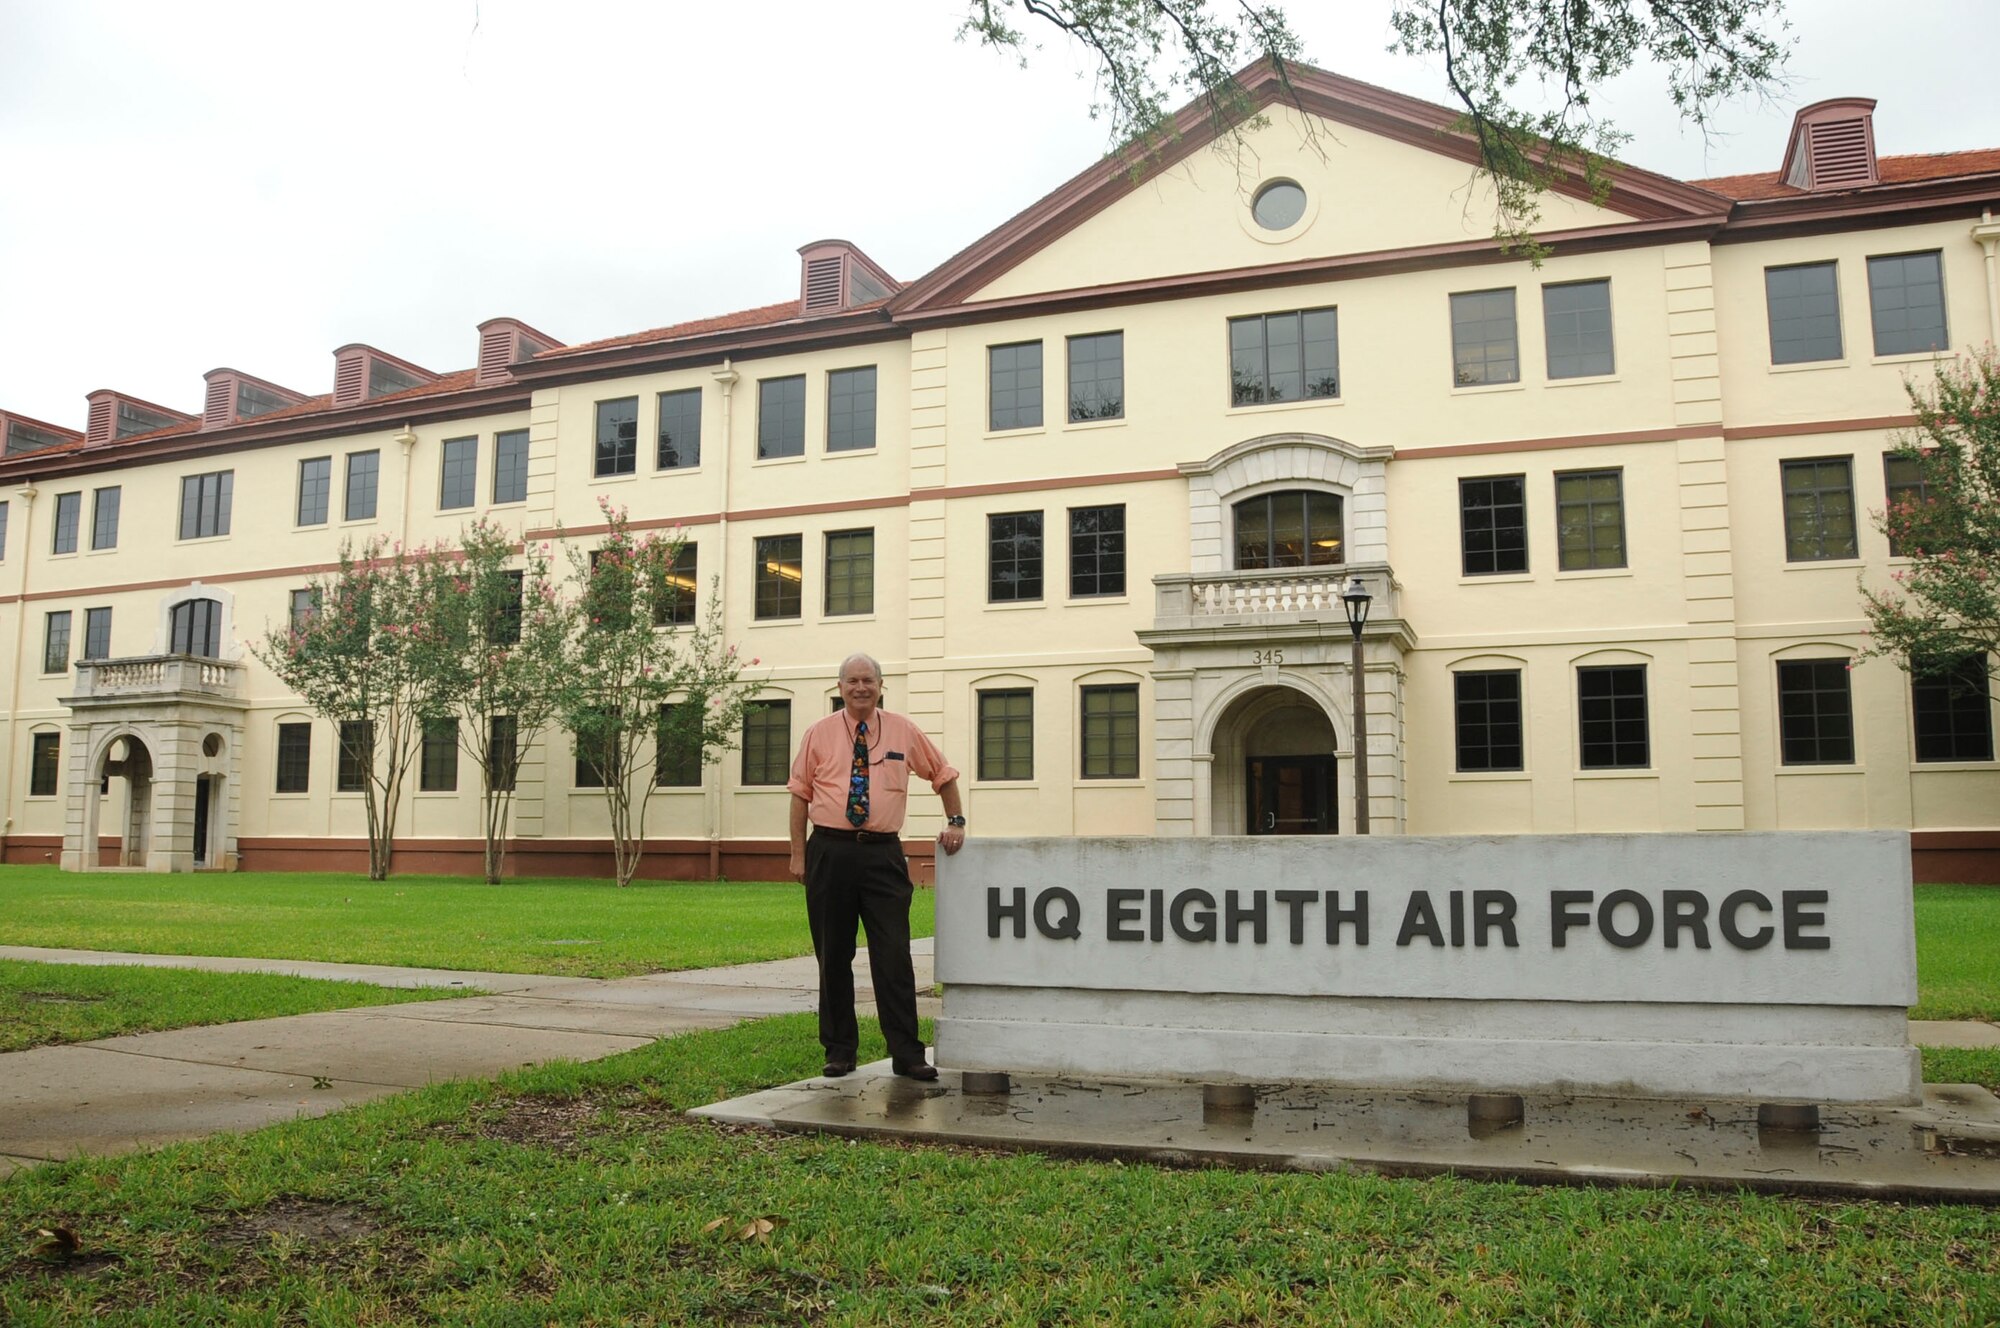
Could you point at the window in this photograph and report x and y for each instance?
(1803, 303)
(3, 532)
(1111, 732)
(357, 755)
(437, 769)
(1903, 477)
(1815, 714)
(1576, 318)
(104, 517)
(502, 752)
(45, 765)
(364, 473)
(458, 477)
(69, 516)
(1296, 528)
(1097, 377)
(55, 643)
(1954, 717)
(1279, 205)
(850, 409)
(1493, 524)
(1906, 301)
(617, 437)
(1487, 710)
(1013, 557)
(510, 466)
(1590, 519)
(504, 628)
(1819, 509)
(780, 576)
(195, 628)
(1007, 734)
(97, 634)
(675, 606)
(677, 747)
(767, 742)
(599, 754)
(302, 607)
(315, 490)
(1014, 386)
(1096, 551)
(1484, 345)
(680, 430)
(294, 758)
(1611, 713)
(1284, 357)
(205, 504)
(850, 572)
(781, 417)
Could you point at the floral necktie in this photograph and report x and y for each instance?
(857, 784)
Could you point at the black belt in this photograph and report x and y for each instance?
(859, 836)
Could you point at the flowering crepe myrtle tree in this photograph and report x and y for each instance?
(509, 631)
(1943, 606)
(641, 694)
(370, 653)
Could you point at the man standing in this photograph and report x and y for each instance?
(851, 781)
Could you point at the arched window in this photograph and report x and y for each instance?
(196, 628)
(1295, 528)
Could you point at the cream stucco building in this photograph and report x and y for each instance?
(1091, 489)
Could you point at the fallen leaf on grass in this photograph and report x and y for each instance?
(759, 1228)
(712, 1224)
(55, 1243)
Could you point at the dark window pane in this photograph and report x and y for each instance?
(458, 476)
(1014, 386)
(502, 752)
(69, 519)
(1097, 550)
(55, 643)
(599, 754)
(364, 474)
(3, 532)
(677, 739)
(680, 430)
(1819, 509)
(780, 576)
(1284, 357)
(781, 417)
(1951, 707)
(1577, 316)
(1815, 712)
(1611, 713)
(1803, 302)
(1903, 476)
(294, 758)
(1484, 347)
(1906, 299)
(45, 765)
(1493, 524)
(510, 466)
(1007, 734)
(357, 755)
(195, 628)
(438, 768)
(675, 605)
(1292, 528)
(97, 633)
(1488, 719)
(205, 502)
(850, 409)
(304, 603)
(103, 518)
(1097, 377)
(850, 571)
(617, 437)
(315, 490)
(1590, 519)
(767, 742)
(1013, 557)
(1111, 732)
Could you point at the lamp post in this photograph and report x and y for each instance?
(1356, 600)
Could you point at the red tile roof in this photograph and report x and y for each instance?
(764, 315)
(1906, 169)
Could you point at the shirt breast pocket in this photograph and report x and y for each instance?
(894, 773)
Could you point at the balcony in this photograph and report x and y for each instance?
(156, 677)
(1279, 598)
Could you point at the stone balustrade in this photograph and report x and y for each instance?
(1295, 594)
(152, 675)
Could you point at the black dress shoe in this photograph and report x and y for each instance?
(923, 1071)
(837, 1069)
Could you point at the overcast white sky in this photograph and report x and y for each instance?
(192, 184)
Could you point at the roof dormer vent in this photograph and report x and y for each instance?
(19, 434)
(835, 275)
(504, 342)
(115, 416)
(1832, 145)
(234, 396)
(362, 373)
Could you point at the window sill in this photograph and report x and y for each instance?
(1085, 781)
(1808, 366)
(1830, 564)
(1595, 574)
(58, 557)
(1827, 768)
(1027, 784)
(1079, 426)
(310, 525)
(1495, 578)
(629, 477)
(289, 797)
(1584, 380)
(658, 471)
(511, 502)
(834, 452)
(796, 620)
(1490, 777)
(1081, 600)
(442, 511)
(47, 797)
(1646, 772)
(797, 460)
(1953, 767)
(1027, 431)
(202, 539)
(1914, 357)
(830, 616)
(1013, 605)
(1486, 389)
(109, 548)
(1278, 407)
(422, 794)
(358, 521)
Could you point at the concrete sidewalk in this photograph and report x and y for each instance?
(146, 1089)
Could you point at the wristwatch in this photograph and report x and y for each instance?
(955, 822)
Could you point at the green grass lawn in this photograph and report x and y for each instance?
(582, 928)
(42, 1004)
(1958, 952)
(578, 1195)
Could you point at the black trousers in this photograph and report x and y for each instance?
(849, 882)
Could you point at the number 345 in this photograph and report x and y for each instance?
(1267, 656)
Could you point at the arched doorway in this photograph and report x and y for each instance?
(1275, 767)
(127, 760)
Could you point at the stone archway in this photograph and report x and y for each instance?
(1274, 765)
(122, 770)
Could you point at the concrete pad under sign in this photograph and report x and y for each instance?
(1947, 1149)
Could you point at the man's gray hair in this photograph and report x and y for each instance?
(872, 662)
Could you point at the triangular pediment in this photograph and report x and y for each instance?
(1385, 178)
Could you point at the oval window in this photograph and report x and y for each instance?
(1279, 205)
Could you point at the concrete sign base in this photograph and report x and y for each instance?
(1767, 967)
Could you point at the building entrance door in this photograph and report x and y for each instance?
(1292, 795)
(202, 794)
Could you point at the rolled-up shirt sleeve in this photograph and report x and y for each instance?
(927, 761)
